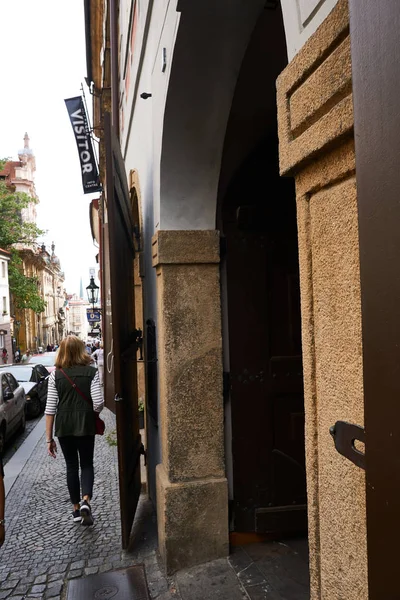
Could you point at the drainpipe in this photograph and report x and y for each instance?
(88, 39)
(114, 66)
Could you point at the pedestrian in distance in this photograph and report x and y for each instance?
(74, 393)
(98, 356)
(25, 357)
(4, 354)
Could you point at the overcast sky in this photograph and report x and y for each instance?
(42, 49)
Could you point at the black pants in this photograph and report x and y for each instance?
(72, 447)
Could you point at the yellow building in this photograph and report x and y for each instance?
(32, 330)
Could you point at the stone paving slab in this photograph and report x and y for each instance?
(215, 580)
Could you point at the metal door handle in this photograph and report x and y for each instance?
(344, 435)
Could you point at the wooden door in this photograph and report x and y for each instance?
(119, 325)
(266, 382)
(375, 56)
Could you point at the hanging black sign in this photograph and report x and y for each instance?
(79, 121)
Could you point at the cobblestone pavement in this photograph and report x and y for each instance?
(18, 438)
(44, 548)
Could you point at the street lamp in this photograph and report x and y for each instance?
(17, 325)
(92, 292)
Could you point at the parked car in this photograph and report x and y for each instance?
(12, 406)
(34, 380)
(47, 359)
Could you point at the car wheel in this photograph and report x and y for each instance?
(2, 438)
(23, 422)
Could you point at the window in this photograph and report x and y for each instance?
(12, 381)
(4, 304)
(3, 269)
(5, 386)
(2, 341)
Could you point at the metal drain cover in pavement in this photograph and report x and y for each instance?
(124, 584)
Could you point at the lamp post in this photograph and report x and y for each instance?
(93, 296)
(17, 325)
(92, 292)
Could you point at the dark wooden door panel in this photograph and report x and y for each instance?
(375, 58)
(266, 376)
(109, 384)
(120, 326)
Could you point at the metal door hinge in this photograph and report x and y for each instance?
(143, 451)
(344, 435)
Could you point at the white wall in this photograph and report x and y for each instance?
(141, 138)
(188, 187)
(4, 290)
(301, 18)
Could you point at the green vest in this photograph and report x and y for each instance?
(74, 414)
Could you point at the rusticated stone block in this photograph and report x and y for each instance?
(192, 521)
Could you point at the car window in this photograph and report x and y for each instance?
(20, 373)
(5, 386)
(12, 382)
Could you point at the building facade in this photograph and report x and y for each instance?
(236, 129)
(5, 319)
(53, 320)
(31, 330)
(77, 317)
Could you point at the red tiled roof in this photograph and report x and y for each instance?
(9, 168)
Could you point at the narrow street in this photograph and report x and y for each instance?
(44, 548)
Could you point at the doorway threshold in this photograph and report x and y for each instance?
(273, 569)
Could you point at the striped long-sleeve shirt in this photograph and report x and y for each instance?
(96, 392)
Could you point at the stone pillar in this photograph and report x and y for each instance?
(317, 147)
(192, 494)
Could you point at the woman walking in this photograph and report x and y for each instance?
(74, 391)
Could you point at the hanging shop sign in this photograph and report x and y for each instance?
(79, 122)
(93, 316)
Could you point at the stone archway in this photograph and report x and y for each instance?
(192, 499)
(316, 146)
(211, 41)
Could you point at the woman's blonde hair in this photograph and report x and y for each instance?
(72, 352)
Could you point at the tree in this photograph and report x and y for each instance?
(14, 233)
